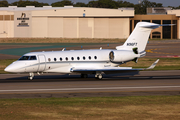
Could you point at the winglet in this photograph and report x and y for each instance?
(153, 65)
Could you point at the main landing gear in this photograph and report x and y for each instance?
(31, 76)
(98, 76)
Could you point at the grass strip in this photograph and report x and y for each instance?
(163, 64)
(104, 108)
(4, 64)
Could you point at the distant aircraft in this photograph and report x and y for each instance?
(97, 62)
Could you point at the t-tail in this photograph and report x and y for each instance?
(138, 39)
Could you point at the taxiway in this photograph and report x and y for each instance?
(56, 85)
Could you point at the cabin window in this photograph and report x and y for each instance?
(60, 59)
(95, 57)
(55, 59)
(89, 57)
(66, 58)
(84, 58)
(72, 58)
(78, 58)
(49, 59)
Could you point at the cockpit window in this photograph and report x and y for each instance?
(24, 58)
(28, 58)
(33, 58)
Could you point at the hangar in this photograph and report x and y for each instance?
(81, 22)
(64, 22)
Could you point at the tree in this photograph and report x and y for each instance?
(93, 4)
(21, 3)
(110, 4)
(124, 4)
(138, 9)
(80, 4)
(103, 4)
(141, 8)
(4, 3)
(174, 7)
(107, 4)
(62, 3)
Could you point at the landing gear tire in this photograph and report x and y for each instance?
(84, 76)
(31, 76)
(96, 76)
(99, 76)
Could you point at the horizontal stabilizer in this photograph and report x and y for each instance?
(167, 24)
(153, 26)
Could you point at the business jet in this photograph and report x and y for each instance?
(97, 62)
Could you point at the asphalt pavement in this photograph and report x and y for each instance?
(57, 85)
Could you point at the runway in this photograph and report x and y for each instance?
(56, 85)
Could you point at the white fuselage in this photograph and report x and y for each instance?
(63, 61)
(87, 62)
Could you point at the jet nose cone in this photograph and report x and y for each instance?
(7, 69)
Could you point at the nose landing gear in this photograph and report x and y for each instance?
(31, 76)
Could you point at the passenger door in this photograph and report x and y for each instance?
(42, 63)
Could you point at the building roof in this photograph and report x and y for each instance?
(70, 11)
(31, 8)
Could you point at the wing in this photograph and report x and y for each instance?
(110, 70)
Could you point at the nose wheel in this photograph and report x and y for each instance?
(31, 76)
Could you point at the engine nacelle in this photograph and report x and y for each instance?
(122, 55)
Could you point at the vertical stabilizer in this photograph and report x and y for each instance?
(139, 37)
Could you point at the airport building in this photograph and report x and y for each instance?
(81, 22)
(160, 15)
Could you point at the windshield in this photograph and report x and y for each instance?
(28, 58)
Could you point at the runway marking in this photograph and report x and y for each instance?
(104, 88)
